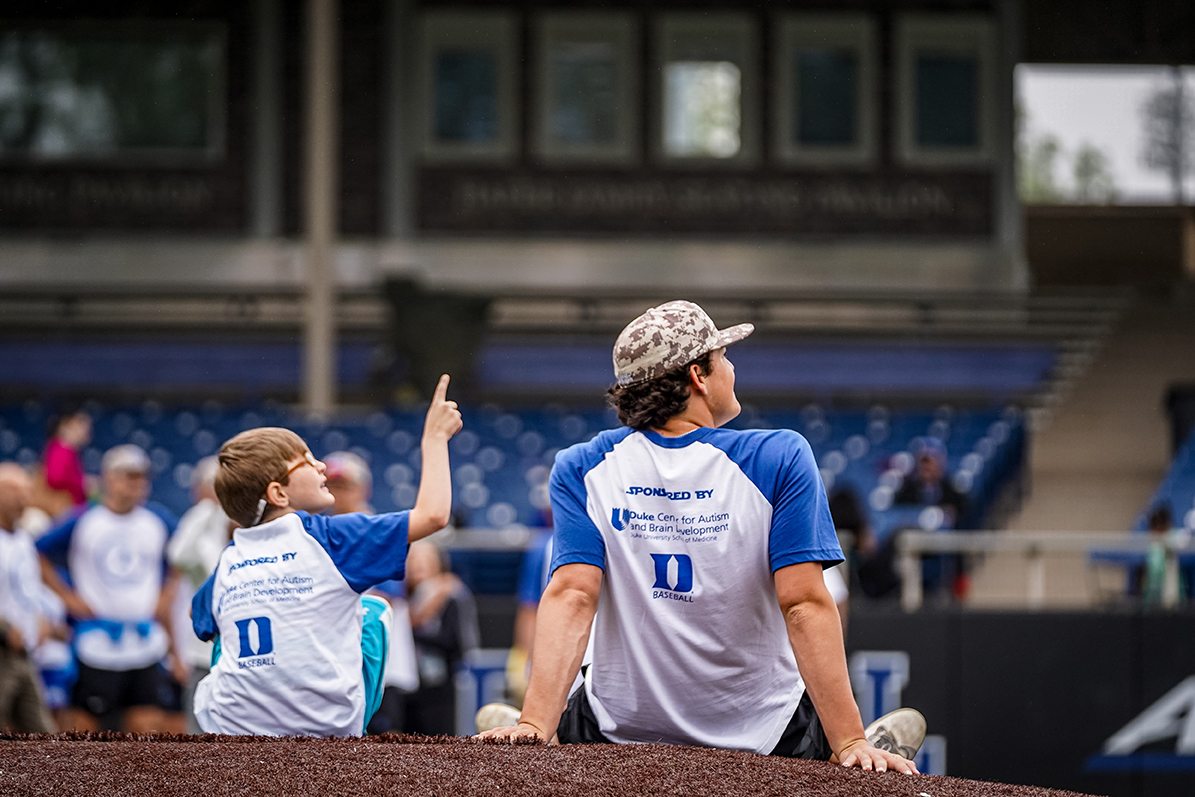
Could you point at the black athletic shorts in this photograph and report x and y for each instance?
(102, 691)
(802, 738)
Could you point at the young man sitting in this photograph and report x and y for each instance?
(704, 548)
(299, 651)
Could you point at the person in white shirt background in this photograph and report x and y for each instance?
(203, 532)
(351, 484)
(118, 593)
(25, 622)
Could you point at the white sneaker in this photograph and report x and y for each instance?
(900, 732)
(496, 715)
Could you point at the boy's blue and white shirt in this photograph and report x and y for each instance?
(285, 601)
(690, 646)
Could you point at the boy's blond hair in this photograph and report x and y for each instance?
(248, 463)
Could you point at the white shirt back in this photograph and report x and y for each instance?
(285, 601)
(689, 644)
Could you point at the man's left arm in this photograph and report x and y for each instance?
(815, 632)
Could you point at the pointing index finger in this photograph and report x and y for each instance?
(441, 389)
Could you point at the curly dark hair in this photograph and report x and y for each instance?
(650, 404)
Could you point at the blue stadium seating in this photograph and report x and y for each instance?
(502, 457)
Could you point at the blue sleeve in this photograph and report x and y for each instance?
(166, 516)
(202, 619)
(577, 538)
(531, 572)
(802, 529)
(392, 587)
(366, 549)
(56, 543)
(171, 523)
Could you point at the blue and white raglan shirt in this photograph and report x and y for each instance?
(689, 645)
(116, 564)
(285, 600)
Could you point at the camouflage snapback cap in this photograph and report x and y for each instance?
(667, 337)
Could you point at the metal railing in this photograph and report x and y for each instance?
(1034, 546)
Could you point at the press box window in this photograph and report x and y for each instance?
(112, 92)
(587, 87)
(468, 74)
(827, 82)
(947, 88)
(702, 109)
(824, 97)
(585, 103)
(706, 93)
(466, 97)
(946, 85)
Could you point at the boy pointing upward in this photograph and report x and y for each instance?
(300, 651)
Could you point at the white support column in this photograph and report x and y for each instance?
(1172, 578)
(911, 596)
(265, 143)
(398, 133)
(1035, 572)
(322, 206)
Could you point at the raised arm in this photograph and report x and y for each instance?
(433, 505)
(815, 633)
(561, 634)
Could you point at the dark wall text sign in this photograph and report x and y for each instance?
(130, 199)
(516, 201)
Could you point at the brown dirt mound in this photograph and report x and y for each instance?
(214, 766)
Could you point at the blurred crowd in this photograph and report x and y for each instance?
(96, 583)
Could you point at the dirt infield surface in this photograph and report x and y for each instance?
(96, 765)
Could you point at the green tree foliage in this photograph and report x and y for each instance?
(1094, 183)
(1037, 163)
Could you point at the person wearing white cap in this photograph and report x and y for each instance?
(118, 595)
(700, 552)
(351, 483)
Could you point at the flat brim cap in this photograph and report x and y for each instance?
(667, 337)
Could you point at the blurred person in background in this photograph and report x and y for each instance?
(928, 486)
(444, 621)
(62, 484)
(117, 592)
(872, 566)
(1160, 586)
(351, 484)
(203, 532)
(24, 621)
